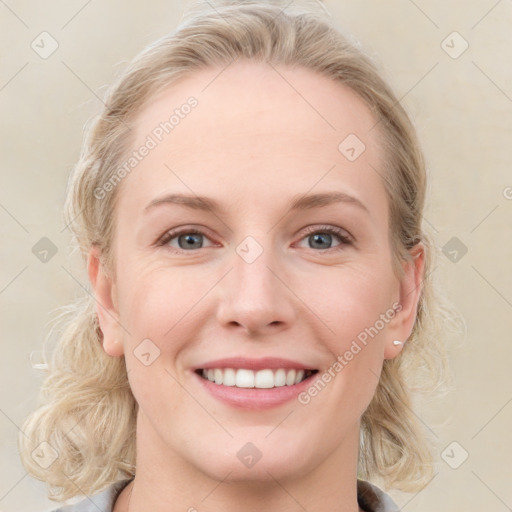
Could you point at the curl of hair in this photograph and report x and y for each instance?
(89, 413)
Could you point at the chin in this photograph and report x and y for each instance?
(257, 462)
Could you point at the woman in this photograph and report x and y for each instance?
(249, 205)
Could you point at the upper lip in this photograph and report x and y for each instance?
(255, 364)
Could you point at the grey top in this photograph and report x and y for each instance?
(369, 497)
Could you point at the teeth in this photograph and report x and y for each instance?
(264, 379)
(244, 379)
(261, 379)
(280, 378)
(229, 377)
(290, 377)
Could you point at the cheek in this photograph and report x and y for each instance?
(158, 303)
(157, 309)
(357, 307)
(352, 303)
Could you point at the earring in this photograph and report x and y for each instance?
(397, 342)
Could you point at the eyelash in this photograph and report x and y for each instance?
(343, 238)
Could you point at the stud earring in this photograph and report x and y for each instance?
(397, 342)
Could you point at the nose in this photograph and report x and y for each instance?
(255, 297)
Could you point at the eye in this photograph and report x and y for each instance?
(184, 239)
(321, 237)
(190, 239)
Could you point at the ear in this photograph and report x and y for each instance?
(410, 287)
(105, 295)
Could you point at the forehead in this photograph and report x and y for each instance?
(255, 126)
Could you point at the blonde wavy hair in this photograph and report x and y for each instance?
(87, 412)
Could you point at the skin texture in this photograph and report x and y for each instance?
(258, 138)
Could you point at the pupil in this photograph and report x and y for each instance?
(190, 239)
(325, 237)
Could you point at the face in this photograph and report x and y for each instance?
(285, 264)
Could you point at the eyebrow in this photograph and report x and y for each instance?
(301, 202)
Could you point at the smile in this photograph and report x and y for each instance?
(255, 383)
(262, 379)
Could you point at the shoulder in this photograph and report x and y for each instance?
(373, 499)
(101, 502)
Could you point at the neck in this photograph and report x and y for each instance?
(166, 482)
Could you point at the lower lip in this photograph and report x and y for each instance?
(255, 398)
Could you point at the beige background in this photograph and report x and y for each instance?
(463, 109)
